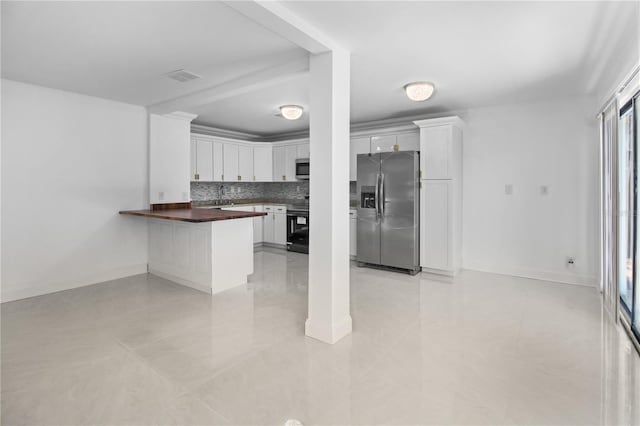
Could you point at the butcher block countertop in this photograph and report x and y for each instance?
(192, 215)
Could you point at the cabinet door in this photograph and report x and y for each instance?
(290, 165)
(303, 151)
(257, 226)
(194, 165)
(230, 162)
(204, 160)
(436, 151)
(383, 143)
(262, 164)
(280, 228)
(218, 161)
(353, 233)
(245, 163)
(279, 161)
(409, 141)
(357, 146)
(435, 224)
(268, 227)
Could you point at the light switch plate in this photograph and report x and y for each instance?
(508, 189)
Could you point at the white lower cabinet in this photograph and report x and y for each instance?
(275, 225)
(258, 225)
(280, 228)
(436, 225)
(353, 232)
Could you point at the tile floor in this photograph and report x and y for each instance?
(481, 349)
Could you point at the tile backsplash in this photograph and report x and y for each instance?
(207, 191)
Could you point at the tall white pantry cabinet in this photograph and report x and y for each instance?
(441, 194)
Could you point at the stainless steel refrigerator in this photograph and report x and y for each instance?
(388, 210)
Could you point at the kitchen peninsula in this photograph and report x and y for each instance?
(210, 250)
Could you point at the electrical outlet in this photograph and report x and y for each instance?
(544, 190)
(161, 195)
(571, 261)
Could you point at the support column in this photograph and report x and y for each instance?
(329, 313)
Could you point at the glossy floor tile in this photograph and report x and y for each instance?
(480, 349)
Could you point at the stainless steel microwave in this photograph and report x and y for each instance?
(302, 168)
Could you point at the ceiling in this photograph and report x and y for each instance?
(476, 53)
(257, 112)
(123, 50)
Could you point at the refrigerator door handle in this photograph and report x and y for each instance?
(382, 195)
(377, 195)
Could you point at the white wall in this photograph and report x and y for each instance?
(529, 145)
(69, 163)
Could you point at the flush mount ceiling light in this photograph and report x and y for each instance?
(291, 112)
(419, 90)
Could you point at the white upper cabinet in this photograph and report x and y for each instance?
(245, 163)
(303, 150)
(169, 157)
(284, 163)
(437, 152)
(194, 166)
(383, 143)
(263, 163)
(204, 160)
(279, 162)
(218, 161)
(357, 146)
(230, 164)
(290, 162)
(201, 160)
(409, 141)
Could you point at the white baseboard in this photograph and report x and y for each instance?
(181, 281)
(558, 277)
(329, 333)
(67, 284)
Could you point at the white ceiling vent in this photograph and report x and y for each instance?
(182, 76)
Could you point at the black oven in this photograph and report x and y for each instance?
(298, 230)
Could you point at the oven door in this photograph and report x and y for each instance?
(298, 232)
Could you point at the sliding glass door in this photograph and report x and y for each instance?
(628, 204)
(626, 207)
(635, 310)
